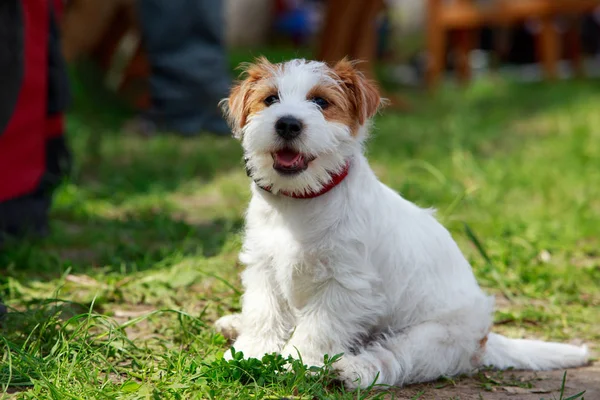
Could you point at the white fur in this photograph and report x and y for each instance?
(359, 270)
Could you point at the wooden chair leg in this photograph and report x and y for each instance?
(365, 48)
(573, 47)
(365, 36)
(436, 43)
(465, 42)
(549, 47)
(337, 36)
(502, 38)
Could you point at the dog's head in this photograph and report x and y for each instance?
(300, 121)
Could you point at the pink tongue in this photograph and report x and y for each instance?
(287, 158)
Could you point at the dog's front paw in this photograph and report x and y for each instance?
(228, 356)
(254, 347)
(309, 357)
(356, 372)
(229, 326)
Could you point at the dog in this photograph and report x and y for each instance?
(338, 263)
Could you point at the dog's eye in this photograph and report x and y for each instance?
(271, 100)
(321, 102)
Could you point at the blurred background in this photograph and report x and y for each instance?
(122, 192)
(411, 42)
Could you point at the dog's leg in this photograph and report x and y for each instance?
(229, 326)
(265, 321)
(422, 353)
(336, 317)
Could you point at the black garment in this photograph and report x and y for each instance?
(29, 213)
(11, 57)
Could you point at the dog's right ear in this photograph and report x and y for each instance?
(236, 107)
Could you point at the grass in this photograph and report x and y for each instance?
(118, 302)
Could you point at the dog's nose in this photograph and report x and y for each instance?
(288, 127)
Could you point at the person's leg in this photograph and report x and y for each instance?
(184, 43)
(211, 57)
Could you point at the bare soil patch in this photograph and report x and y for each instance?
(521, 385)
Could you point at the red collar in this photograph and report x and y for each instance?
(335, 180)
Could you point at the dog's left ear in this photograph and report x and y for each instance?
(362, 92)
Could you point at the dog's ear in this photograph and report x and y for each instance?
(236, 107)
(362, 92)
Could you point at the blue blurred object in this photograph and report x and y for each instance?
(294, 23)
(298, 21)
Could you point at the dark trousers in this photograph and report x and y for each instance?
(184, 40)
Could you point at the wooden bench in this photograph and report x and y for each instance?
(455, 23)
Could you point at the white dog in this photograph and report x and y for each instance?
(336, 262)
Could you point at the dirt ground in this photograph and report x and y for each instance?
(521, 385)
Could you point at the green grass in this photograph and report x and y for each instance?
(118, 302)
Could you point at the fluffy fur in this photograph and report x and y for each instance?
(358, 270)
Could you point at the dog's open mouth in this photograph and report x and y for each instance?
(290, 162)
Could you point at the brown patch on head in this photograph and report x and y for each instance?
(340, 108)
(362, 93)
(247, 96)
